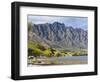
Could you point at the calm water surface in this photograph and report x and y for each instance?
(80, 58)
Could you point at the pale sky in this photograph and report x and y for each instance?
(75, 22)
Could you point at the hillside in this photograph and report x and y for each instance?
(57, 35)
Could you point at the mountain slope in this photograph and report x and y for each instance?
(57, 35)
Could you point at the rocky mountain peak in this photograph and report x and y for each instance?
(59, 35)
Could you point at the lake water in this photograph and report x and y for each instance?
(66, 60)
(80, 58)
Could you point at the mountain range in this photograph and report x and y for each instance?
(58, 35)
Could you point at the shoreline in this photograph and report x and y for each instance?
(72, 60)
